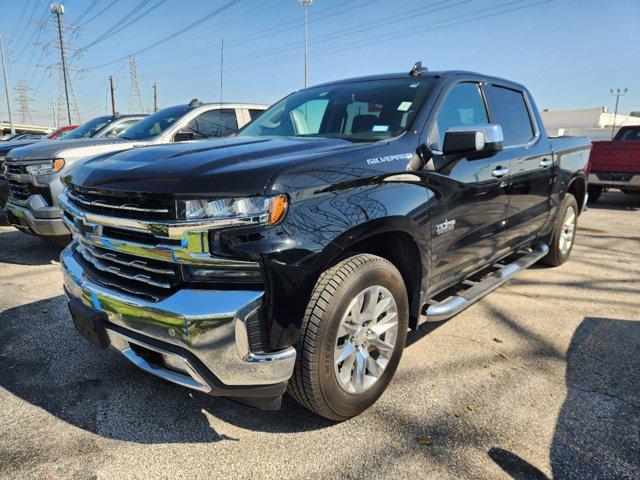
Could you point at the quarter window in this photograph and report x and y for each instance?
(214, 123)
(464, 105)
(509, 110)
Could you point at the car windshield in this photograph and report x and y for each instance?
(90, 128)
(154, 124)
(358, 111)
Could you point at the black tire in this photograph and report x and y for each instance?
(630, 192)
(556, 255)
(594, 193)
(314, 384)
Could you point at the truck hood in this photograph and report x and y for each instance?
(225, 167)
(46, 150)
(5, 147)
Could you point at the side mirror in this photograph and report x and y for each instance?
(183, 136)
(471, 139)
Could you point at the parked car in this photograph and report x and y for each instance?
(34, 171)
(99, 127)
(616, 163)
(60, 132)
(298, 253)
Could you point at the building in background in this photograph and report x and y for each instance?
(595, 123)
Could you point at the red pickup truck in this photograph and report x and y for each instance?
(616, 163)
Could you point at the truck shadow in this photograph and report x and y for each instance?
(45, 362)
(18, 248)
(616, 200)
(596, 434)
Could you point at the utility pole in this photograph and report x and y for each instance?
(6, 84)
(55, 115)
(112, 89)
(135, 100)
(618, 92)
(221, 66)
(58, 10)
(305, 4)
(155, 97)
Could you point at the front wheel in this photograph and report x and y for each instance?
(352, 337)
(564, 232)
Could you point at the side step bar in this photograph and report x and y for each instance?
(453, 305)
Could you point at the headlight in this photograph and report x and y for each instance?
(52, 166)
(266, 210)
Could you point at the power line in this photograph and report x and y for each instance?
(86, 11)
(128, 24)
(116, 25)
(173, 35)
(99, 13)
(24, 29)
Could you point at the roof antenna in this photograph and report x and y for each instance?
(417, 69)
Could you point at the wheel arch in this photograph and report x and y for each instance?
(578, 188)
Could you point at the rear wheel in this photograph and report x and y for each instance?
(564, 232)
(594, 192)
(352, 337)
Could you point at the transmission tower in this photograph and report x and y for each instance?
(135, 100)
(23, 99)
(67, 107)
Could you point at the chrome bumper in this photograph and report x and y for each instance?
(208, 324)
(36, 216)
(634, 182)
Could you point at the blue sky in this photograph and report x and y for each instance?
(568, 52)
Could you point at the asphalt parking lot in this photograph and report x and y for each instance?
(539, 380)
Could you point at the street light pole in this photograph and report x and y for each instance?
(6, 85)
(305, 4)
(617, 93)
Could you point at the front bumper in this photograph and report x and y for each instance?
(199, 337)
(615, 180)
(35, 216)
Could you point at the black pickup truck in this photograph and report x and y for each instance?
(297, 254)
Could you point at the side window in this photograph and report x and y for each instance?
(509, 110)
(253, 113)
(464, 105)
(121, 127)
(214, 123)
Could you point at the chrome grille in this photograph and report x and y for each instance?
(110, 203)
(16, 168)
(146, 277)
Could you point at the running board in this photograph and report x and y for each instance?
(437, 312)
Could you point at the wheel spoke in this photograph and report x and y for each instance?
(388, 322)
(346, 370)
(373, 367)
(356, 309)
(371, 302)
(345, 352)
(360, 372)
(347, 329)
(381, 307)
(381, 345)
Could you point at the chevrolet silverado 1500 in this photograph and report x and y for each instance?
(616, 163)
(297, 254)
(34, 171)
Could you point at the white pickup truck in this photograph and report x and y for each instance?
(34, 171)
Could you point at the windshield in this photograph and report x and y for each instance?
(90, 128)
(358, 111)
(154, 124)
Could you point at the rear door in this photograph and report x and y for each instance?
(530, 160)
(469, 213)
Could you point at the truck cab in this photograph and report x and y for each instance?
(34, 171)
(296, 255)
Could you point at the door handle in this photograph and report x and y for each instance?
(500, 172)
(546, 162)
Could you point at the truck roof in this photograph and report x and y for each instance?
(423, 74)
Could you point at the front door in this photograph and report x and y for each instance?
(468, 215)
